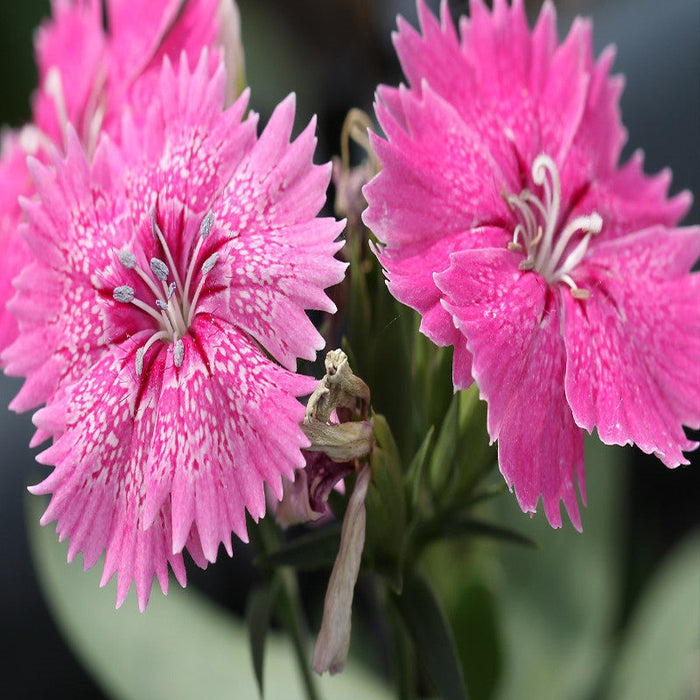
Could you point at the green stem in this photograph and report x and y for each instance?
(288, 604)
(289, 609)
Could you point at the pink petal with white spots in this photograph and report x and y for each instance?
(279, 257)
(631, 201)
(214, 448)
(15, 181)
(511, 322)
(437, 177)
(58, 299)
(99, 479)
(633, 347)
(70, 50)
(410, 272)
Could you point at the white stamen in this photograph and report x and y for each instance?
(173, 304)
(140, 353)
(536, 231)
(158, 235)
(128, 259)
(139, 361)
(123, 294)
(160, 269)
(179, 352)
(206, 225)
(204, 230)
(206, 269)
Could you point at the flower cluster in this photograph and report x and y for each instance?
(560, 278)
(92, 69)
(169, 263)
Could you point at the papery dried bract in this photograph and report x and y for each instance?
(333, 642)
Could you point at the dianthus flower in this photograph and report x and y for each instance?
(159, 265)
(88, 76)
(558, 276)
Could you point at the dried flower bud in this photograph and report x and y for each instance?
(339, 389)
(343, 442)
(305, 499)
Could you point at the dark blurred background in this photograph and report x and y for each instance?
(333, 53)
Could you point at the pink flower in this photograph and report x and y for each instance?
(558, 276)
(87, 78)
(158, 267)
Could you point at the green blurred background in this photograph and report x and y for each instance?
(607, 614)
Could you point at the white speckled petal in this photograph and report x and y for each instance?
(227, 423)
(72, 229)
(98, 483)
(280, 257)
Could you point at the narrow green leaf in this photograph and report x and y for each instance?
(414, 475)
(261, 601)
(432, 637)
(386, 507)
(403, 655)
(292, 616)
(475, 456)
(473, 618)
(443, 457)
(314, 550)
(482, 528)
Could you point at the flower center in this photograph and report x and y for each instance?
(549, 251)
(173, 307)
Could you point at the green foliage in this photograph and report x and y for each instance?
(658, 656)
(313, 550)
(432, 637)
(182, 647)
(385, 541)
(261, 602)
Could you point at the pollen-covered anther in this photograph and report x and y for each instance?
(123, 294)
(209, 263)
(179, 352)
(206, 225)
(160, 269)
(128, 259)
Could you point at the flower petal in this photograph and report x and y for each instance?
(633, 347)
(98, 481)
(511, 323)
(213, 445)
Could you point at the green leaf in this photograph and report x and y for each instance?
(476, 630)
(432, 637)
(442, 461)
(386, 535)
(182, 647)
(403, 655)
(314, 550)
(462, 454)
(292, 616)
(483, 528)
(261, 601)
(414, 475)
(659, 653)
